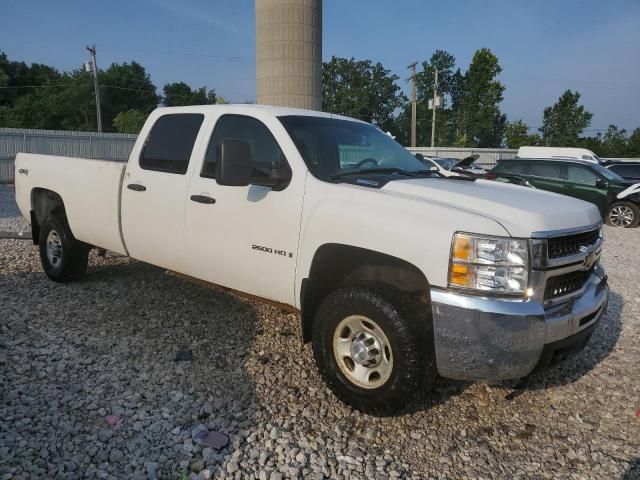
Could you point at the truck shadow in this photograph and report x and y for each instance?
(633, 473)
(570, 370)
(113, 339)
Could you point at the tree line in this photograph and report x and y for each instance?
(40, 96)
(470, 115)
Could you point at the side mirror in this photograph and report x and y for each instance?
(277, 179)
(420, 157)
(235, 166)
(601, 183)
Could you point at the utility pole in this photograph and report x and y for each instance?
(413, 103)
(435, 105)
(94, 67)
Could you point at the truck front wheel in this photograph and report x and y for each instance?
(63, 257)
(372, 356)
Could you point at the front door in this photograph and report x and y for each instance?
(581, 182)
(245, 238)
(154, 190)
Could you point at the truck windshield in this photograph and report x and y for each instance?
(334, 148)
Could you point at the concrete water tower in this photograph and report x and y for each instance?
(289, 53)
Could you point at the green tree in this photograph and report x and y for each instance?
(123, 87)
(614, 142)
(360, 89)
(448, 88)
(564, 121)
(633, 144)
(516, 135)
(480, 121)
(130, 121)
(179, 93)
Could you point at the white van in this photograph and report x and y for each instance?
(558, 152)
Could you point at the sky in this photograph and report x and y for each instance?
(544, 46)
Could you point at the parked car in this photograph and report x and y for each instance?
(627, 170)
(432, 164)
(617, 199)
(558, 152)
(463, 166)
(399, 273)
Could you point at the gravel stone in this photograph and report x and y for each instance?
(70, 354)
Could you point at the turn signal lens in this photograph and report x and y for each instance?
(460, 275)
(461, 246)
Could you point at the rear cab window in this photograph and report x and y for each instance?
(170, 142)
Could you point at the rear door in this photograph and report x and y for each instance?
(581, 182)
(155, 187)
(245, 238)
(546, 176)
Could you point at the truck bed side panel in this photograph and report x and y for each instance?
(90, 190)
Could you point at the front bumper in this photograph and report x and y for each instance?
(480, 338)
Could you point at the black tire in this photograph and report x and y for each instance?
(614, 220)
(410, 335)
(71, 261)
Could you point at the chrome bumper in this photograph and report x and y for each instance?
(497, 339)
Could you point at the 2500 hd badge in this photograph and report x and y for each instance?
(272, 250)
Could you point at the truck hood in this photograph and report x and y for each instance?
(520, 210)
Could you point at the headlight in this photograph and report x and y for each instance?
(489, 264)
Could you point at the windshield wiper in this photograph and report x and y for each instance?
(366, 171)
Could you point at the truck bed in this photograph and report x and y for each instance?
(90, 190)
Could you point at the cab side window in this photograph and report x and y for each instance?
(265, 151)
(170, 142)
(578, 174)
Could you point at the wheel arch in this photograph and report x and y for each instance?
(43, 203)
(337, 265)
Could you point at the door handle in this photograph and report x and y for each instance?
(203, 199)
(136, 187)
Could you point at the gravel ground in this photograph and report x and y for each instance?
(73, 354)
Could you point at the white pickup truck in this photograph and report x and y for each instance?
(398, 272)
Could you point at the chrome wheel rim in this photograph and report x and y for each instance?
(54, 249)
(621, 216)
(362, 351)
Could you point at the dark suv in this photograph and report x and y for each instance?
(627, 170)
(615, 197)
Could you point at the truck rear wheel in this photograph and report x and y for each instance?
(63, 257)
(623, 214)
(373, 357)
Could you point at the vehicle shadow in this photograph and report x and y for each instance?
(570, 370)
(633, 473)
(113, 339)
(564, 372)
(8, 207)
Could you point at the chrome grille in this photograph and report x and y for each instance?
(566, 284)
(565, 246)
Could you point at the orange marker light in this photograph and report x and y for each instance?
(459, 275)
(461, 248)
